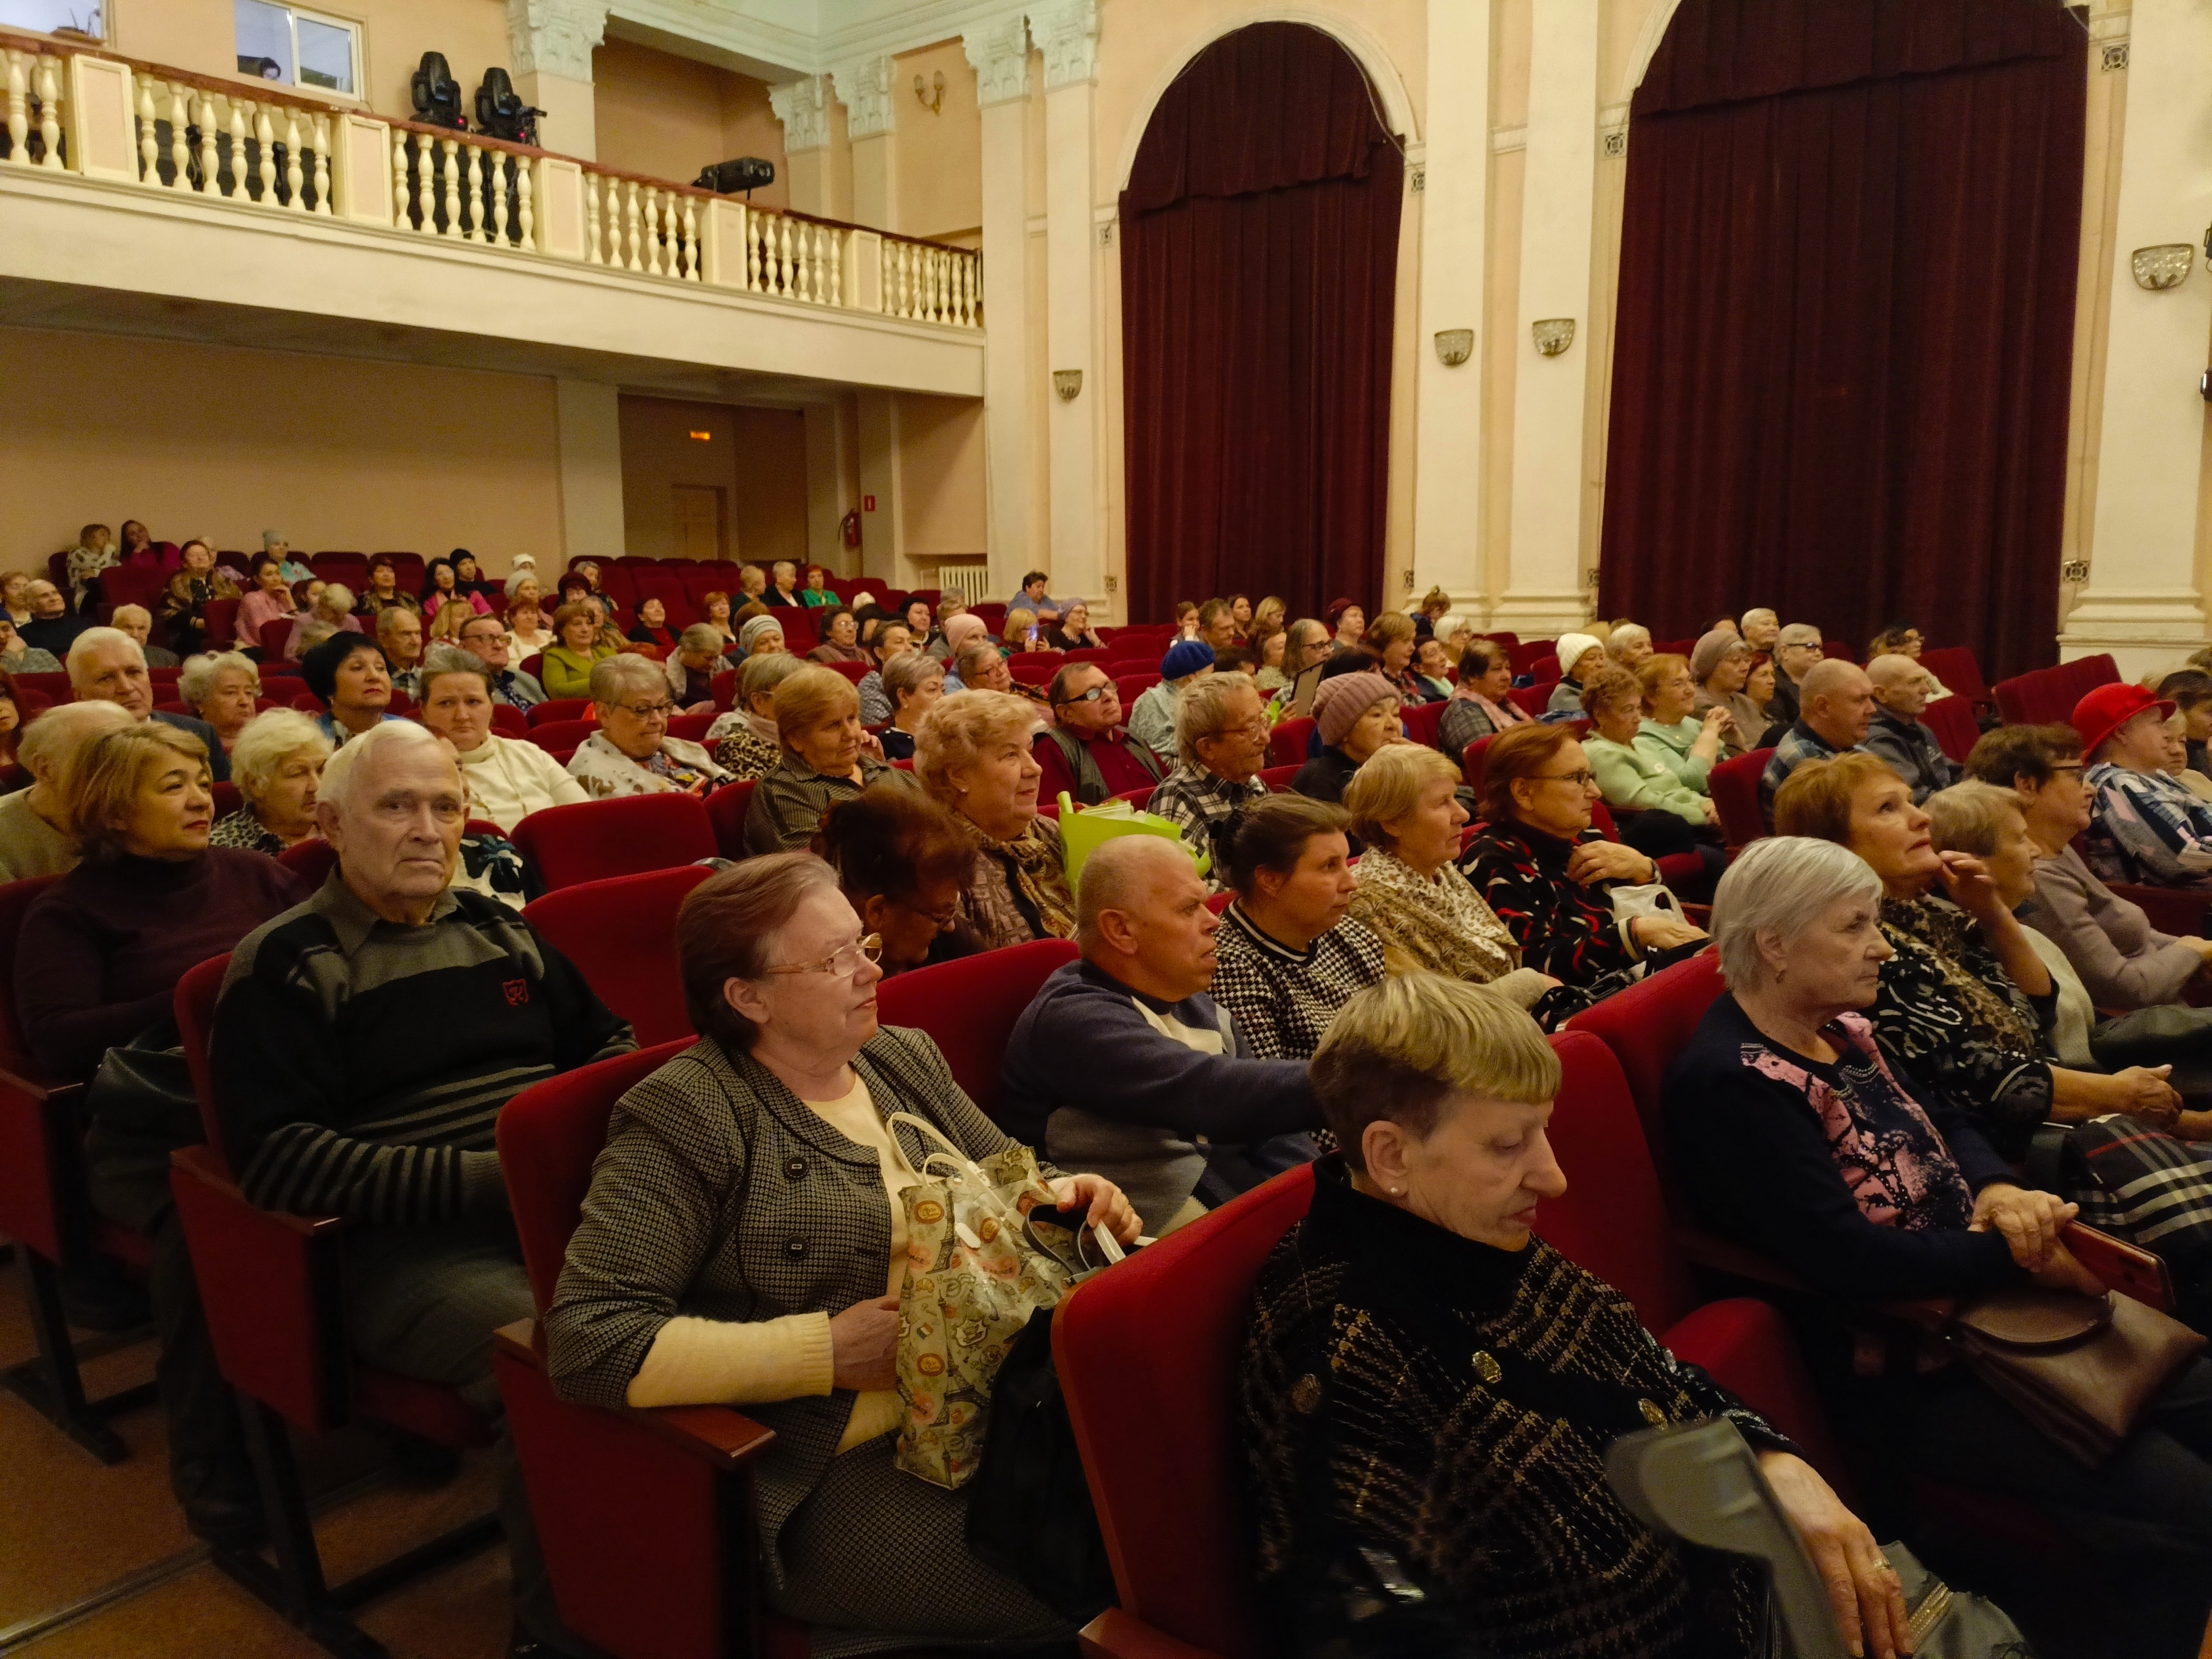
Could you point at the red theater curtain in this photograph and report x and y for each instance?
(1846, 318)
(1258, 271)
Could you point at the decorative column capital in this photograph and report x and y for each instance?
(803, 106)
(865, 90)
(1067, 33)
(999, 52)
(556, 36)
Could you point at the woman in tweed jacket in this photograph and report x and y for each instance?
(742, 1243)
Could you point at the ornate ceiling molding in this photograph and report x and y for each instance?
(999, 52)
(556, 36)
(803, 106)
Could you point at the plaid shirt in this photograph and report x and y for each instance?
(1800, 744)
(1283, 999)
(2146, 828)
(1201, 804)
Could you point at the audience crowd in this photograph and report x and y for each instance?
(1373, 862)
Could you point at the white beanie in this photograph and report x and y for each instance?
(1571, 649)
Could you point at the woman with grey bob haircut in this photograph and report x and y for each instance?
(277, 765)
(1776, 889)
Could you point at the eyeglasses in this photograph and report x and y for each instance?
(1581, 780)
(847, 961)
(1091, 695)
(645, 711)
(2073, 769)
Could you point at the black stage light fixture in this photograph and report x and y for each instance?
(747, 173)
(437, 94)
(502, 112)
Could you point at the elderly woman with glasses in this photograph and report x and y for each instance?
(972, 754)
(631, 753)
(1800, 1133)
(1549, 874)
(2123, 962)
(905, 863)
(827, 756)
(744, 1243)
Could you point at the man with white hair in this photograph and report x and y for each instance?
(1122, 1064)
(137, 622)
(51, 627)
(34, 837)
(106, 665)
(1760, 628)
(364, 1045)
(399, 631)
(1898, 733)
(1838, 707)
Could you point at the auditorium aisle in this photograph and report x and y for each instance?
(106, 1551)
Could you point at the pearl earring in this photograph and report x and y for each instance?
(1397, 1192)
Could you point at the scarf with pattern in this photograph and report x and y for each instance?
(1439, 921)
(1033, 865)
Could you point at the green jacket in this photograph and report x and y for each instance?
(1630, 779)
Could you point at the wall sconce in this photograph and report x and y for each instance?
(2164, 266)
(931, 101)
(1067, 382)
(1553, 335)
(1454, 346)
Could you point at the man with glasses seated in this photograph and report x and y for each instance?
(1090, 755)
(364, 1044)
(487, 637)
(631, 753)
(1221, 744)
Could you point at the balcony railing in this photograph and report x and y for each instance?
(86, 112)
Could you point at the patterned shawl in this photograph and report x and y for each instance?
(1998, 1012)
(1034, 869)
(1439, 923)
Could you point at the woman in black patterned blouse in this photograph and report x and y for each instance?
(1428, 1389)
(1548, 873)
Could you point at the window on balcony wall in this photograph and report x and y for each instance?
(295, 48)
(48, 17)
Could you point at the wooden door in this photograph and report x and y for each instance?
(698, 521)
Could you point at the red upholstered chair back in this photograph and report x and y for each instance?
(725, 689)
(968, 1007)
(593, 840)
(1147, 1359)
(227, 799)
(1612, 1219)
(1286, 743)
(1734, 785)
(195, 999)
(314, 860)
(726, 811)
(1645, 1026)
(558, 708)
(1127, 687)
(57, 687)
(557, 736)
(1545, 670)
(274, 633)
(691, 728)
(621, 934)
(1473, 763)
(1423, 721)
(2044, 695)
(548, 1136)
(221, 624)
(1951, 720)
(1531, 699)
(16, 898)
(1960, 671)
(509, 721)
(854, 672)
(1278, 778)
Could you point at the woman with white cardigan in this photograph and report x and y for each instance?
(508, 778)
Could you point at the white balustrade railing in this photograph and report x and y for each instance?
(89, 113)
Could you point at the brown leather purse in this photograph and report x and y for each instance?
(2083, 1369)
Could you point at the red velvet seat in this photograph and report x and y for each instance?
(55, 687)
(509, 721)
(1527, 653)
(559, 708)
(2044, 695)
(969, 1007)
(725, 682)
(1960, 672)
(1423, 721)
(621, 934)
(1129, 686)
(221, 633)
(1734, 786)
(553, 736)
(44, 1207)
(1532, 700)
(313, 860)
(1033, 667)
(271, 1286)
(1952, 720)
(1278, 778)
(1545, 670)
(276, 634)
(854, 672)
(726, 811)
(1288, 743)
(596, 839)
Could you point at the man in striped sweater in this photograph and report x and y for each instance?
(363, 1046)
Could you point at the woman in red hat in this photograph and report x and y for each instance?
(2144, 826)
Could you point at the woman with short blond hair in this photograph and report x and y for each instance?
(827, 756)
(972, 753)
(276, 763)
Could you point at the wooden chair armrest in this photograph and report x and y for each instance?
(1115, 1634)
(723, 1438)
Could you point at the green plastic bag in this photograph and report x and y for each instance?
(1082, 833)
